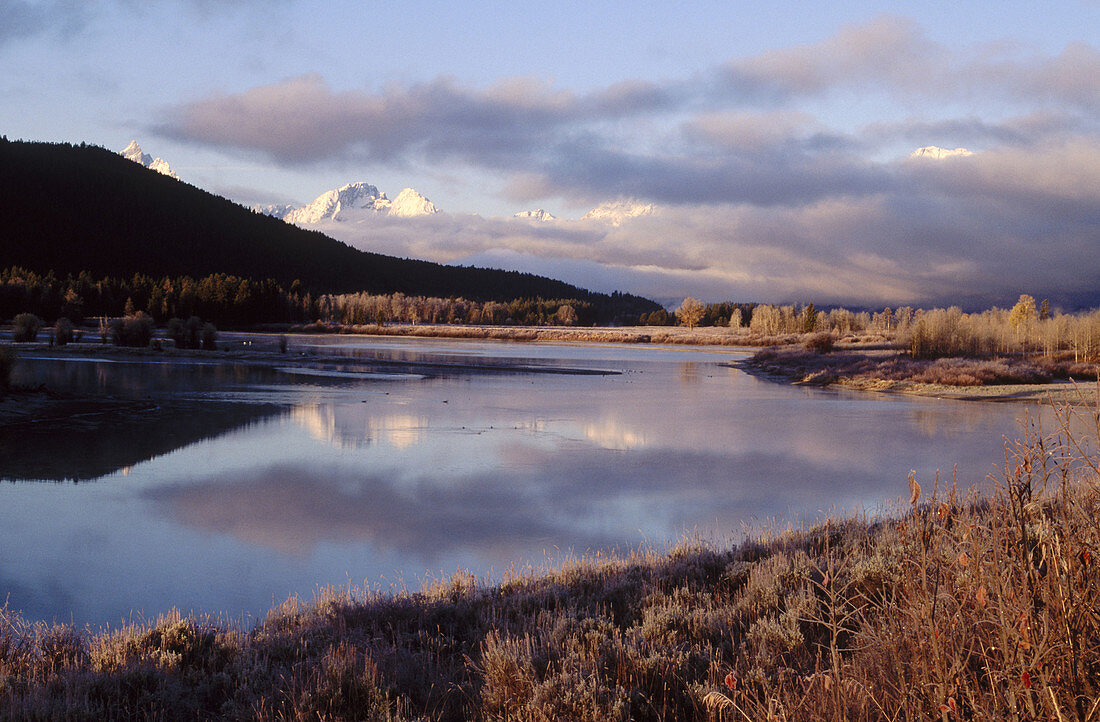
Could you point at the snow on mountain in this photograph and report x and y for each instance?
(409, 203)
(615, 212)
(133, 152)
(278, 210)
(536, 215)
(332, 203)
(161, 166)
(937, 153)
(351, 203)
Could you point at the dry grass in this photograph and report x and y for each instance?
(979, 608)
(700, 336)
(811, 365)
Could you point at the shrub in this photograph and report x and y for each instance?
(64, 331)
(819, 343)
(177, 332)
(26, 327)
(192, 333)
(135, 331)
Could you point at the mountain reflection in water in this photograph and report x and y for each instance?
(88, 448)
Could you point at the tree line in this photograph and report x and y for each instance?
(1024, 328)
(232, 301)
(1027, 327)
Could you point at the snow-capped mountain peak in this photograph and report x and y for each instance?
(134, 152)
(615, 212)
(409, 203)
(331, 203)
(537, 214)
(937, 153)
(353, 203)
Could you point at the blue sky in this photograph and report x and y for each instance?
(772, 135)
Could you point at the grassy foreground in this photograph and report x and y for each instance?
(978, 608)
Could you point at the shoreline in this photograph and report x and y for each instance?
(879, 370)
(1056, 392)
(656, 335)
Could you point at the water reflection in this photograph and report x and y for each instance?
(689, 372)
(612, 434)
(967, 417)
(348, 428)
(230, 507)
(91, 446)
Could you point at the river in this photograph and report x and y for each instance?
(256, 482)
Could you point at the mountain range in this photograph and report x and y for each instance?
(359, 201)
(119, 218)
(352, 200)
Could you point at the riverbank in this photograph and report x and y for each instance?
(950, 609)
(674, 335)
(891, 371)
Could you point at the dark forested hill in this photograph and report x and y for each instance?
(69, 209)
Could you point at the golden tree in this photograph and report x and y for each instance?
(691, 312)
(1022, 314)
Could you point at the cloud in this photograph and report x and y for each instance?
(977, 230)
(892, 55)
(763, 197)
(1015, 131)
(301, 120)
(887, 51)
(612, 137)
(789, 171)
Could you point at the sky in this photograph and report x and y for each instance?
(773, 138)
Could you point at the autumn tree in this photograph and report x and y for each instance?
(765, 320)
(565, 315)
(1022, 314)
(691, 312)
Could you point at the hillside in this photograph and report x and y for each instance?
(69, 209)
